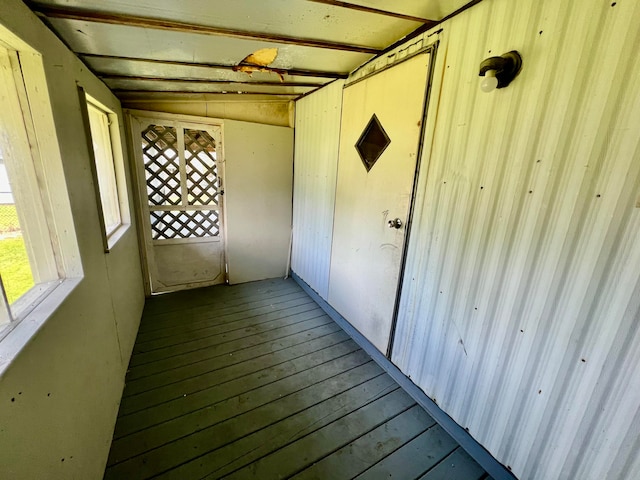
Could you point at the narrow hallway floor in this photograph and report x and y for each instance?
(256, 381)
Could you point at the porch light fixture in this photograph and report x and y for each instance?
(498, 72)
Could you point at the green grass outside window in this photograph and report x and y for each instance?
(14, 263)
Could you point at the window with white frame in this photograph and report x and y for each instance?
(109, 170)
(39, 261)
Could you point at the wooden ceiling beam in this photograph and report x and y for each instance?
(118, 91)
(281, 71)
(363, 8)
(108, 76)
(73, 13)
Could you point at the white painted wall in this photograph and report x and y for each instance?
(268, 110)
(520, 311)
(258, 191)
(317, 135)
(67, 382)
(521, 302)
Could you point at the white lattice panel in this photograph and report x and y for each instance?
(170, 224)
(161, 165)
(203, 184)
(181, 174)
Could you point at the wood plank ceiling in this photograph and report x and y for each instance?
(168, 47)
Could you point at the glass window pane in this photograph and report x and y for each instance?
(101, 138)
(372, 143)
(15, 268)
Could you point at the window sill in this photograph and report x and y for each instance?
(31, 314)
(115, 236)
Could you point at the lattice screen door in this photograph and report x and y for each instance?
(179, 165)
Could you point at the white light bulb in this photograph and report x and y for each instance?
(490, 82)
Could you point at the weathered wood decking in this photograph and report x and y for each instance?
(255, 381)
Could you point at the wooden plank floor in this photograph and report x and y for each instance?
(255, 381)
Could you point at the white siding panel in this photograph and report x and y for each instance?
(317, 134)
(520, 312)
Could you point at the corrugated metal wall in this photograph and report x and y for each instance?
(317, 134)
(520, 313)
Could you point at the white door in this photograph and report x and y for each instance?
(179, 168)
(381, 123)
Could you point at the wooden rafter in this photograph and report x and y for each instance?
(108, 76)
(119, 91)
(86, 15)
(281, 71)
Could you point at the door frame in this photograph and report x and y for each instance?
(432, 50)
(140, 197)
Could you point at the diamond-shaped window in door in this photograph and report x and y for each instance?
(373, 141)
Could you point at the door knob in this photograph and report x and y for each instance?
(395, 223)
